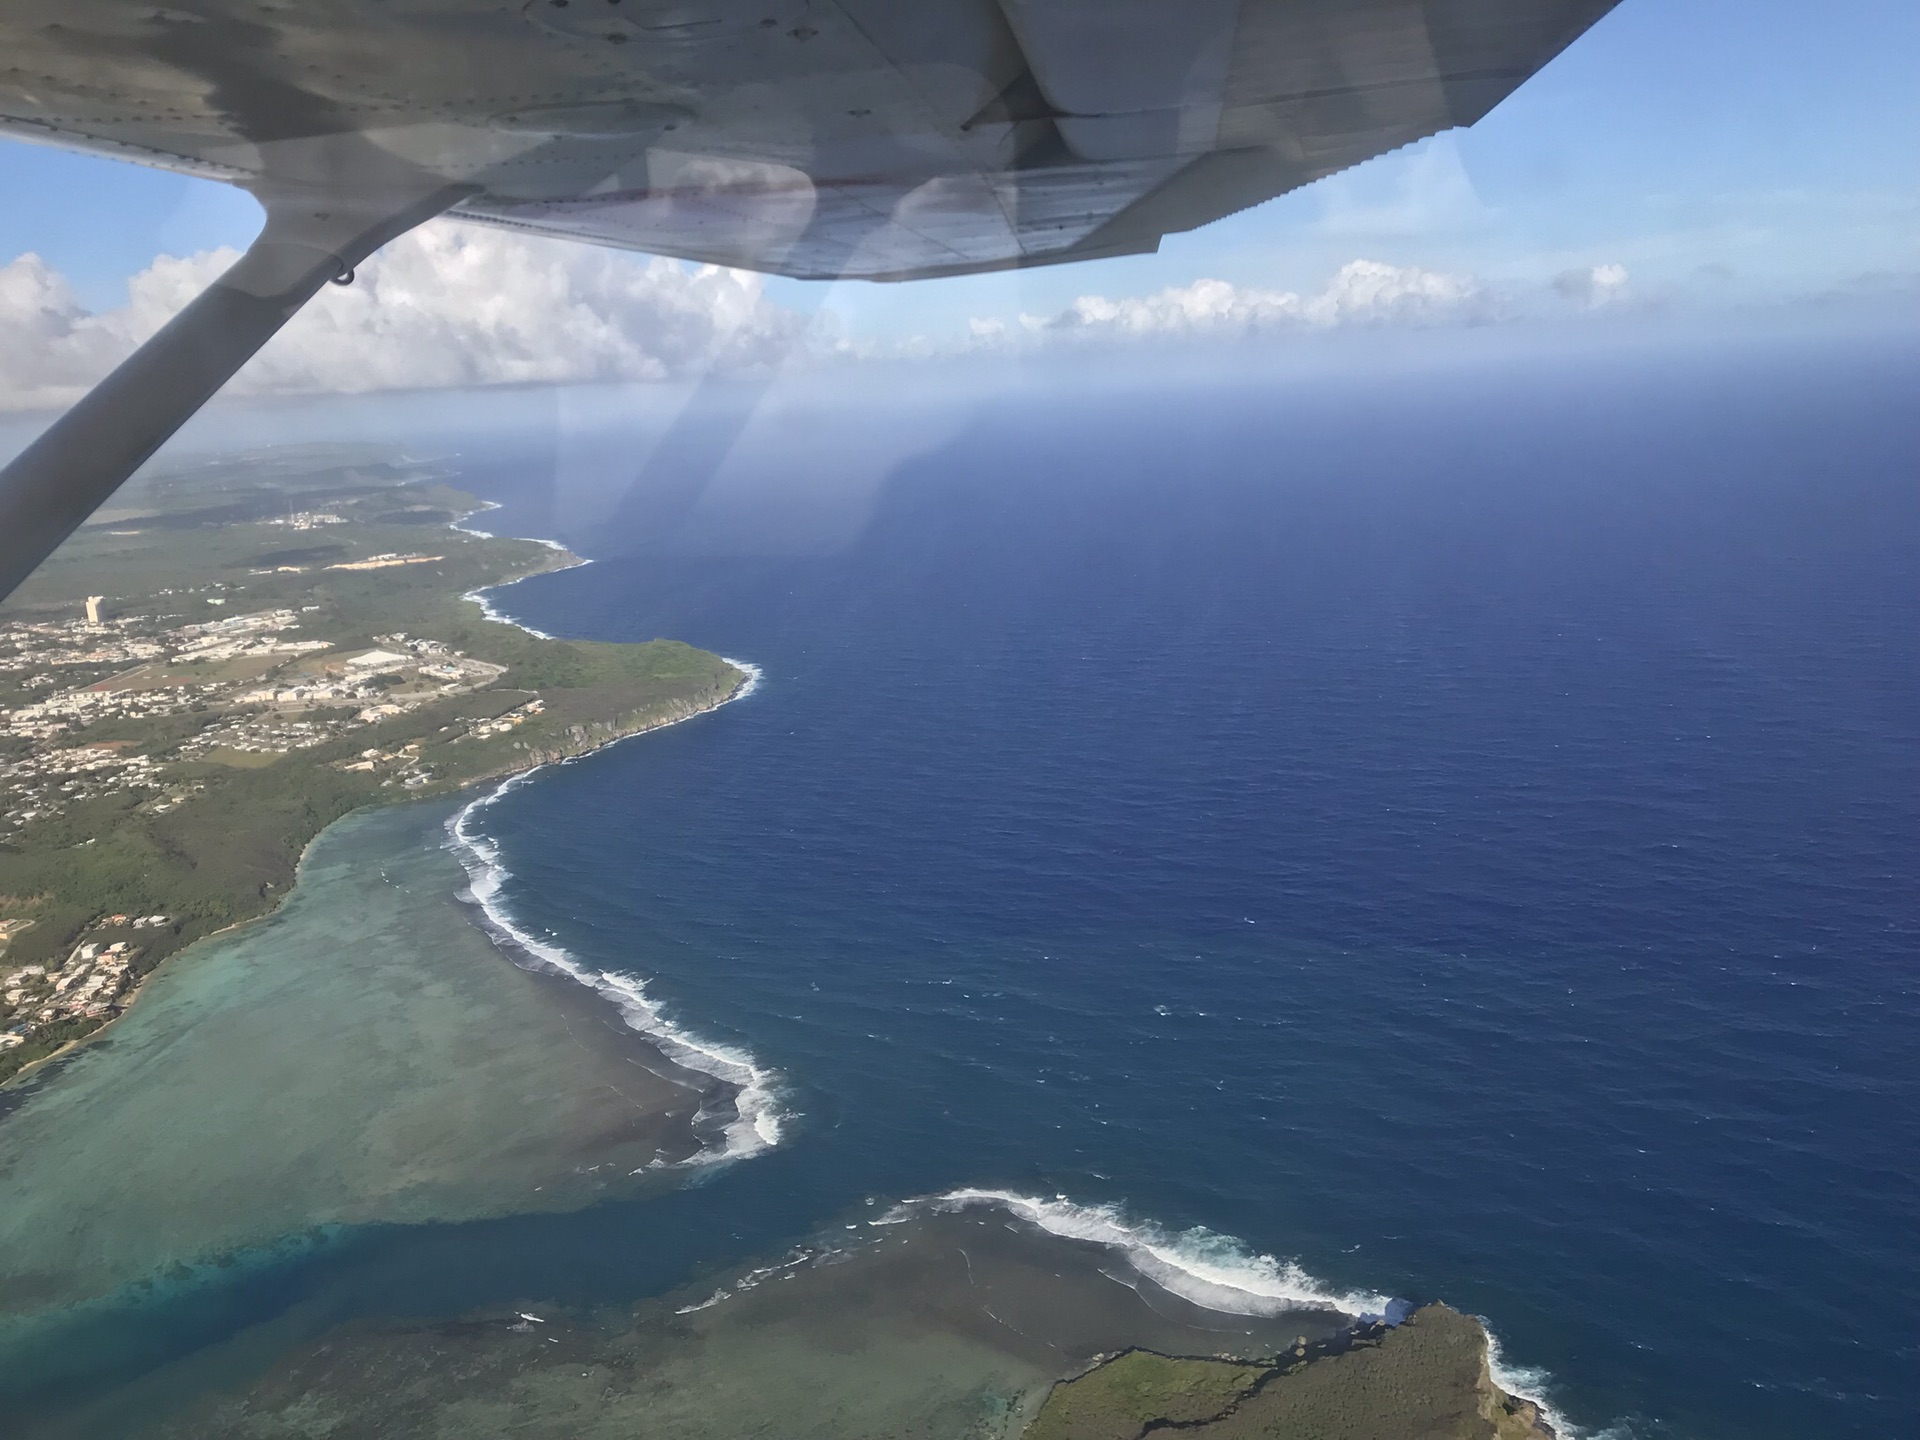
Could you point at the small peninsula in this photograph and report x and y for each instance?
(1424, 1379)
(944, 1326)
(237, 653)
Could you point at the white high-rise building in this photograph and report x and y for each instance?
(93, 608)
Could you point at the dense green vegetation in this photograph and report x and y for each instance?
(228, 850)
(1120, 1397)
(1423, 1380)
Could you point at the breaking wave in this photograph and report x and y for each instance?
(465, 529)
(753, 1116)
(1221, 1273)
(483, 596)
(1531, 1383)
(1214, 1271)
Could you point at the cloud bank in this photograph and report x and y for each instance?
(455, 306)
(1364, 292)
(446, 306)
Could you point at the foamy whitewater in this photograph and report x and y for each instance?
(1216, 1272)
(757, 1114)
(1530, 1383)
(483, 597)
(755, 1125)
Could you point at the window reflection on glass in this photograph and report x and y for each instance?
(970, 719)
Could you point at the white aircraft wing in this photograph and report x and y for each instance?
(884, 139)
(818, 138)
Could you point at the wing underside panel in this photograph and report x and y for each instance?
(815, 138)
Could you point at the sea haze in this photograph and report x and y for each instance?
(1453, 827)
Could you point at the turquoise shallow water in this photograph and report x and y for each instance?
(364, 1056)
(1453, 831)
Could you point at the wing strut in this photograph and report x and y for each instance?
(85, 455)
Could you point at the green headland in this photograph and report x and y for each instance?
(235, 654)
(1426, 1379)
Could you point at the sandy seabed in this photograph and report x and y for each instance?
(364, 1055)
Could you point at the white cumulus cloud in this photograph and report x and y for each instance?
(1364, 292)
(448, 305)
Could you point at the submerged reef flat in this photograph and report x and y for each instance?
(364, 1055)
(939, 1327)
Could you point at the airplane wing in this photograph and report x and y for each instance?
(888, 139)
(823, 139)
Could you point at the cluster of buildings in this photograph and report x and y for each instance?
(247, 684)
(386, 562)
(262, 687)
(46, 782)
(89, 984)
(504, 724)
(77, 708)
(35, 649)
(398, 675)
(400, 765)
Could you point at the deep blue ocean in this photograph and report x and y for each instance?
(1454, 825)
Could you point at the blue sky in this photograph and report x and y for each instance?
(1720, 150)
(1754, 148)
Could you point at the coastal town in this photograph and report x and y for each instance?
(271, 691)
(186, 699)
(87, 985)
(261, 688)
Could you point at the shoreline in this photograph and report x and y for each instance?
(758, 1117)
(1221, 1274)
(18, 1084)
(1197, 1272)
(479, 596)
(757, 1114)
(952, 1321)
(367, 1061)
(500, 779)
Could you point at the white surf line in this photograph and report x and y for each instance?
(754, 676)
(483, 596)
(1216, 1272)
(466, 529)
(1530, 1383)
(753, 1279)
(1221, 1273)
(759, 1116)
